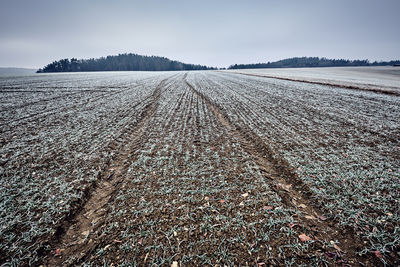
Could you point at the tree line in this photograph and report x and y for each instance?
(121, 62)
(135, 62)
(310, 62)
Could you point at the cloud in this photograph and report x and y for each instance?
(217, 33)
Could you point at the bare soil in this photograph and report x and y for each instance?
(171, 213)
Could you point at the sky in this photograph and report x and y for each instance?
(214, 33)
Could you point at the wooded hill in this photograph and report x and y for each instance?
(135, 62)
(310, 62)
(121, 62)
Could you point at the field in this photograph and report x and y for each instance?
(376, 79)
(200, 168)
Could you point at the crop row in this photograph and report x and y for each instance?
(54, 146)
(193, 193)
(343, 144)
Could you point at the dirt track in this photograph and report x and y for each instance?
(208, 192)
(203, 168)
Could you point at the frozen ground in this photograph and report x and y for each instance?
(197, 168)
(383, 78)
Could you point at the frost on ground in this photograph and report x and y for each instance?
(56, 131)
(378, 79)
(198, 168)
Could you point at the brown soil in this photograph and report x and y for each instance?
(291, 189)
(74, 234)
(81, 236)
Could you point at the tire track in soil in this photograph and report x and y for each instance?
(293, 192)
(316, 112)
(73, 238)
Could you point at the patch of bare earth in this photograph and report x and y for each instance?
(191, 188)
(72, 238)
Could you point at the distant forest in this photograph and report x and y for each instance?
(121, 62)
(134, 62)
(310, 62)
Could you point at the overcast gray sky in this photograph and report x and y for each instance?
(215, 33)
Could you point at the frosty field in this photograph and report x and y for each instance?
(201, 168)
(385, 78)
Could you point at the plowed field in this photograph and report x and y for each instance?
(197, 168)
